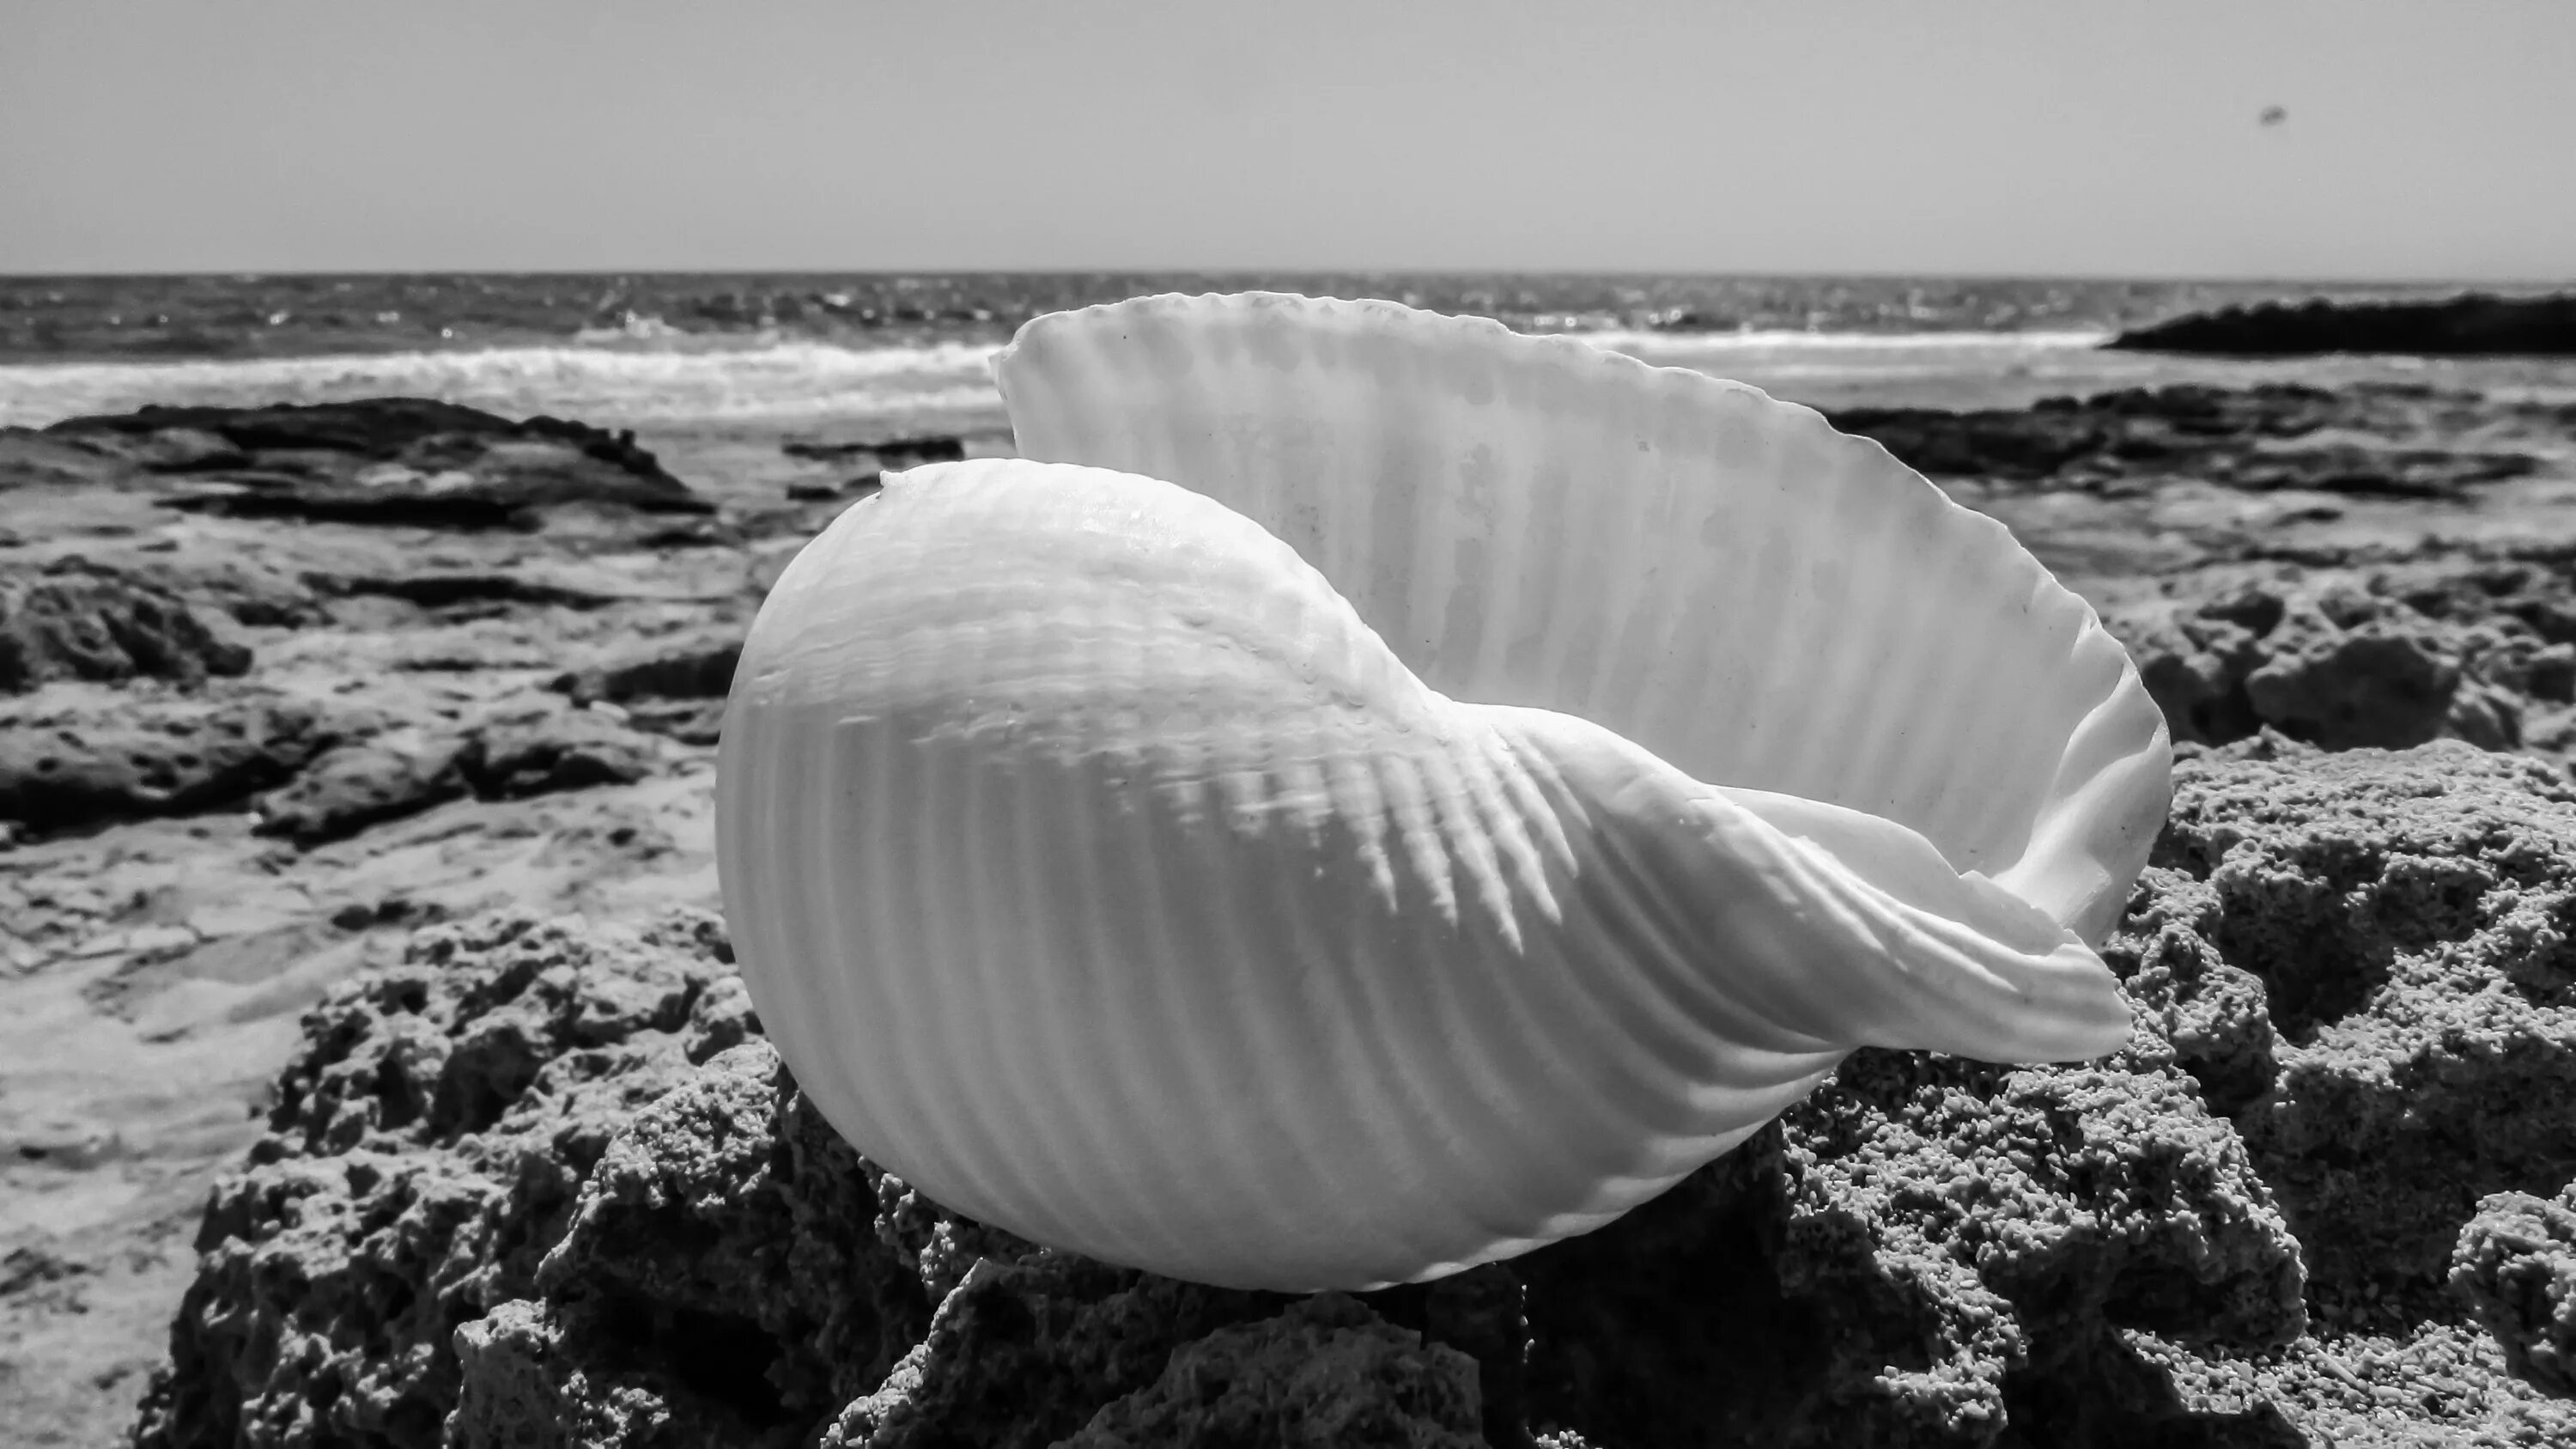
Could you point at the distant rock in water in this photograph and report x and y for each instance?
(383, 460)
(2473, 323)
(895, 453)
(77, 620)
(2376, 440)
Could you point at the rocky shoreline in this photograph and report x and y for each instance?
(370, 1008)
(2474, 323)
(545, 1172)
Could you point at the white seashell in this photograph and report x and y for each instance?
(1125, 865)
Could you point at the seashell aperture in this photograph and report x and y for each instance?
(1490, 779)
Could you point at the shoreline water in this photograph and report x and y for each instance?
(778, 353)
(785, 384)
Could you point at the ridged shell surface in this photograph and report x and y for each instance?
(1486, 781)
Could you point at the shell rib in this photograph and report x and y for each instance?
(1110, 858)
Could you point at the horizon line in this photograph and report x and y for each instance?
(1875, 274)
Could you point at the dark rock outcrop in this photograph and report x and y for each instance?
(368, 780)
(1324, 1375)
(2516, 1267)
(833, 492)
(674, 686)
(726, 1275)
(2369, 439)
(78, 620)
(887, 453)
(1028, 1348)
(2472, 323)
(312, 776)
(92, 761)
(448, 588)
(570, 750)
(383, 460)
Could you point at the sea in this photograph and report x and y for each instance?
(854, 353)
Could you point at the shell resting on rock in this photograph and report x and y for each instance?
(1492, 778)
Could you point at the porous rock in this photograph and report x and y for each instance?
(366, 781)
(696, 665)
(1025, 1351)
(717, 1280)
(426, 1150)
(77, 620)
(2394, 661)
(2515, 1265)
(2375, 684)
(728, 1271)
(737, 1275)
(1325, 1374)
(375, 774)
(2350, 975)
(675, 685)
(77, 762)
(560, 750)
(2409, 917)
(1926, 1252)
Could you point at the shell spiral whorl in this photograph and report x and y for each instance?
(1124, 863)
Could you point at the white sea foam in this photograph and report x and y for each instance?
(649, 377)
(633, 386)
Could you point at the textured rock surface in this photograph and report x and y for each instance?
(383, 460)
(2516, 1267)
(1325, 1373)
(76, 620)
(426, 1149)
(2373, 441)
(570, 750)
(719, 1280)
(1926, 1252)
(675, 686)
(327, 775)
(2482, 651)
(367, 781)
(2409, 917)
(385, 774)
(74, 761)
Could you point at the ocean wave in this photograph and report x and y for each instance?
(647, 377)
(608, 385)
(1789, 340)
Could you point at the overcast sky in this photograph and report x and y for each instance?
(2423, 140)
